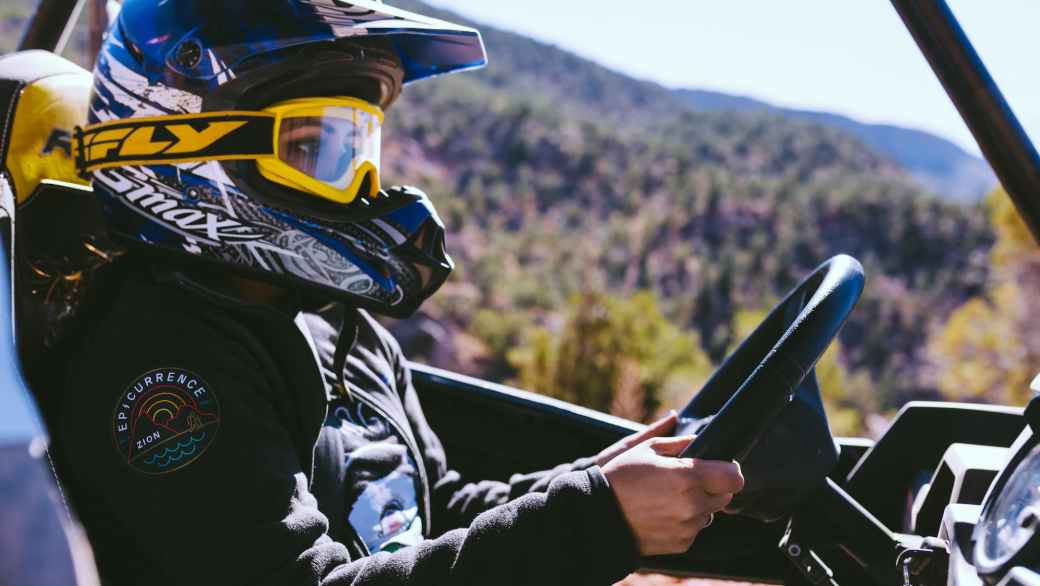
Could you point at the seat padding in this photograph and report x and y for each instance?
(46, 97)
(60, 246)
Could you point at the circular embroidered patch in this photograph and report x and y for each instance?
(165, 420)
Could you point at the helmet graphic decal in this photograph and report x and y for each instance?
(199, 224)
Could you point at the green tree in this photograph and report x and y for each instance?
(613, 354)
(989, 349)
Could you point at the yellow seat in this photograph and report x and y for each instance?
(44, 96)
(59, 240)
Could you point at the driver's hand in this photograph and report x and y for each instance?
(661, 427)
(667, 500)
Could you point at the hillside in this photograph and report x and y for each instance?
(558, 176)
(940, 165)
(562, 181)
(564, 79)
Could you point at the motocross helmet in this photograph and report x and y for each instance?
(247, 134)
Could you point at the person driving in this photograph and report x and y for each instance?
(233, 414)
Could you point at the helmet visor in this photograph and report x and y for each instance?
(328, 147)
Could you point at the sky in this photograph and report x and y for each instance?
(852, 57)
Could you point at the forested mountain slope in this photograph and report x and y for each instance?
(937, 163)
(604, 226)
(558, 178)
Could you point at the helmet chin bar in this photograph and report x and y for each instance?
(366, 263)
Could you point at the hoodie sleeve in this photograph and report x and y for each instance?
(456, 501)
(573, 533)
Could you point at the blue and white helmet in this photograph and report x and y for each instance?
(179, 118)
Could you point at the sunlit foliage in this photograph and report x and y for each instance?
(618, 355)
(989, 350)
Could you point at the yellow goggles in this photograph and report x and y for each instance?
(327, 147)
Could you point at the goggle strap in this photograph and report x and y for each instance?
(176, 138)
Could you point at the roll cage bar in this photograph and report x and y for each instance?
(50, 25)
(978, 99)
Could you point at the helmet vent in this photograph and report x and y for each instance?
(189, 54)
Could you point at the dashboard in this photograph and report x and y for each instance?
(967, 474)
(1005, 537)
(997, 543)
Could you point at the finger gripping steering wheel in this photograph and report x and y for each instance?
(760, 377)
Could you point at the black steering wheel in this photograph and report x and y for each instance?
(736, 406)
(762, 408)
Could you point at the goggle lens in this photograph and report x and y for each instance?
(327, 150)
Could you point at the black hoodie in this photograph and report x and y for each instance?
(191, 434)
